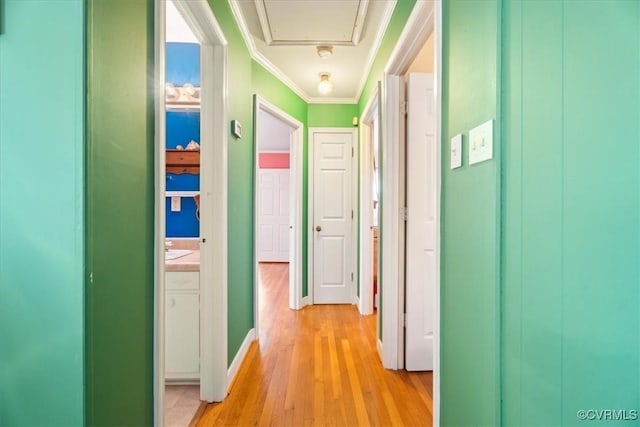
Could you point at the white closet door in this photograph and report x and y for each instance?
(274, 215)
(422, 225)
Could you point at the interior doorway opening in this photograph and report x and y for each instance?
(190, 326)
(277, 198)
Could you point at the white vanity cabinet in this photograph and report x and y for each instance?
(182, 326)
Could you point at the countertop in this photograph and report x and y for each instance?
(189, 262)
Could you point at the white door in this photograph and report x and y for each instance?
(422, 223)
(274, 215)
(332, 216)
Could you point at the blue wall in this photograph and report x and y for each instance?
(42, 213)
(183, 66)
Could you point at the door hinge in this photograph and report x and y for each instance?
(352, 151)
(403, 107)
(403, 213)
(351, 213)
(404, 320)
(352, 276)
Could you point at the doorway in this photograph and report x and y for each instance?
(190, 331)
(277, 197)
(425, 20)
(369, 206)
(332, 212)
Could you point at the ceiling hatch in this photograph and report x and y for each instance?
(334, 22)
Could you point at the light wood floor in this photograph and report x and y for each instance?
(318, 366)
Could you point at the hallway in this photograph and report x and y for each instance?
(318, 366)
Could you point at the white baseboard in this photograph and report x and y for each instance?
(240, 355)
(379, 347)
(306, 301)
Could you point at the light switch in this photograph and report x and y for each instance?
(175, 203)
(456, 151)
(481, 143)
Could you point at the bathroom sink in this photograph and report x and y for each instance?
(176, 253)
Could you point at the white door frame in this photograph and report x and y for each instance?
(310, 205)
(213, 204)
(365, 265)
(425, 18)
(295, 206)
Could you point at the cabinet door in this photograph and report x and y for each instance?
(182, 337)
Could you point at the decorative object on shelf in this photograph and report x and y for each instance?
(192, 145)
(236, 129)
(186, 95)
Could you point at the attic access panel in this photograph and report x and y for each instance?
(312, 22)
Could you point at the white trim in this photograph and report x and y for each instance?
(295, 203)
(160, 218)
(386, 19)
(181, 193)
(213, 273)
(425, 18)
(437, 71)
(365, 263)
(274, 151)
(412, 39)
(258, 57)
(306, 301)
(269, 66)
(328, 100)
(391, 227)
(310, 210)
(240, 356)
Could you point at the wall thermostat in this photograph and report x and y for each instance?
(236, 129)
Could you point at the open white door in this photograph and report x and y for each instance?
(274, 215)
(422, 223)
(332, 221)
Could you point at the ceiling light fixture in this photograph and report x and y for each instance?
(325, 86)
(324, 51)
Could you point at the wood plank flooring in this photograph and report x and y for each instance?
(318, 367)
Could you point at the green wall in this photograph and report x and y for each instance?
(120, 211)
(332, 115)
(571, 207)
(470, 220)
(41, 213)
(399, 19)
(540, 245)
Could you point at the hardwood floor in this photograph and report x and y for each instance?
(318, 366)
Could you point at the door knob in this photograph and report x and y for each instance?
(318, 228)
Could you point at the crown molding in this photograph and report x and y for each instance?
(386, 19)
(331, 100)
(258, 57)
(269, 66)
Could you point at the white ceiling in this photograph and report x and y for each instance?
(282, 35)
(274, 133)
(177, 29)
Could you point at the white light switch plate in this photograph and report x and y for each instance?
(481, 143)
(175, 203)
(456, 151)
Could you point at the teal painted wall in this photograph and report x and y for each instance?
(540, 245)
(332, 115)
(571, 207)
(41, 213)
(120, 212)
(470, 220)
